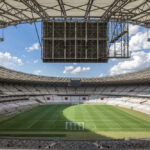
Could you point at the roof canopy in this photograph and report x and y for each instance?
(141, 77)
(13, 12)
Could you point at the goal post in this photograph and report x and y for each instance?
(75, 126)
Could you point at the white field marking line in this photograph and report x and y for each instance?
(51, 120)
(79, 121)
(122, 128)
(63, 128)
(32, 128)
(94, 126)
(99, 121)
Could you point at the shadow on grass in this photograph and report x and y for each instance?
(49, 121)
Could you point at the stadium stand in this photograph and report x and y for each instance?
(140, 77)
(73, 145)
(130, 90)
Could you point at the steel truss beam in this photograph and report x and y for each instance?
(114, 8)
(89, 5)
(12, 12)
(17, 12)
(61, 4)
(36, 8)
(75, 7)
(118, 40)
(2, 23)
(140, 10)
(6, 17)
(131, 15)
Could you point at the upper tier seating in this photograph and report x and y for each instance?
(125, 90)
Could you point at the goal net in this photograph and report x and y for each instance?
(74, 125)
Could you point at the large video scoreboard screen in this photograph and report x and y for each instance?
(74, 42)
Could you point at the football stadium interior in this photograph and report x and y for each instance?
(60, 113)
(113, 107)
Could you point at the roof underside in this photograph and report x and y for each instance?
(13, 12)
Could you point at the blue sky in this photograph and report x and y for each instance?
(20, 51)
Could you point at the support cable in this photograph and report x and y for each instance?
(38, 37)
(37, 32)
(2, 38)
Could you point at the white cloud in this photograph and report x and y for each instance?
(114, 59)
(133, 29)
(139, 58)
(101, 75)
(86, 68)
(79, 70)
(75, 70)
(33, 47)
(35, 61)
(9, 61)
(137, 61)
(68, 69)
(37, 72)
(74, 63)
(139, 41)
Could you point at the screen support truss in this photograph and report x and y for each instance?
(118, 40)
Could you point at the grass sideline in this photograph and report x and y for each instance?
(101, 121)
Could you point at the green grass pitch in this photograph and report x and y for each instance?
(105, 120)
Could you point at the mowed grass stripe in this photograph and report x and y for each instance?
(120, 119)
(110, 116)
(96, 118)
(100, 115)
(20, 119)
(44, 115)
(138, 121)
(88, 115)
(136, 113)
(52, 120)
